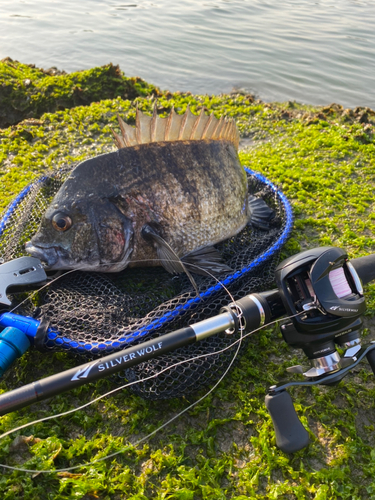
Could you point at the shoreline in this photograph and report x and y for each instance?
(27, 92)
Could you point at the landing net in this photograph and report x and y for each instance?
(92, 314)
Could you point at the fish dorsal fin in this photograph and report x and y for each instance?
(199, 126)
(187, 125)
(174, 123)
(176, 127)
(210, 127)
(119, 141)
(158, 126)
(128, 132)
(142, 127)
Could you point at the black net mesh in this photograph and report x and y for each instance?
(92, 314)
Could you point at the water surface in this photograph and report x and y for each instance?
(312, 51)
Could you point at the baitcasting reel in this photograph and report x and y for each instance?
(323, 293)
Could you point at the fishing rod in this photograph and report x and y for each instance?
(319, 290)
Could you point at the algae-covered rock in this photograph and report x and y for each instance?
(28, 92)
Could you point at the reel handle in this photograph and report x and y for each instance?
(291, 436)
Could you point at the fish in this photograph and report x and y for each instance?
(172, 190)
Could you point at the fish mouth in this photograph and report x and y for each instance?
(49, 255)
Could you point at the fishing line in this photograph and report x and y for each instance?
(149, 320)
(128, 384)
(115, 390)
(33, 293)
(238, 341)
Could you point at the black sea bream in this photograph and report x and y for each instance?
(174, 188)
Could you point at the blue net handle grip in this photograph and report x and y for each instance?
(13, 343)
(28, 326)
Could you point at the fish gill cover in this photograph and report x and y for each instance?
(92, 313)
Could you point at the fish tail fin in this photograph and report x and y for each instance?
(261, 214)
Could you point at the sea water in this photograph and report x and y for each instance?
(311, 51)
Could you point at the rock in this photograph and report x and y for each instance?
(20, 444)
(28, 92)
(348, 114)
(285, 115)
(363, 118)
(332, 108)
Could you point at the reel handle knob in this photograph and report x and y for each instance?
(291, 436)
(371, 359)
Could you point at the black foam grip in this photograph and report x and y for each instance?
(365, 267)
(371, 359)
(291, 435)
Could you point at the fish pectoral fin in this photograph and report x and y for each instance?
(206, 261)
(167, 256)
(260, 213)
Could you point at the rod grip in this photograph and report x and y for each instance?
(291, 436)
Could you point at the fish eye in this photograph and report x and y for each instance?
(61, 222)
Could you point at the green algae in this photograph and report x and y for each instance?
(28, 92)
(224, 448)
